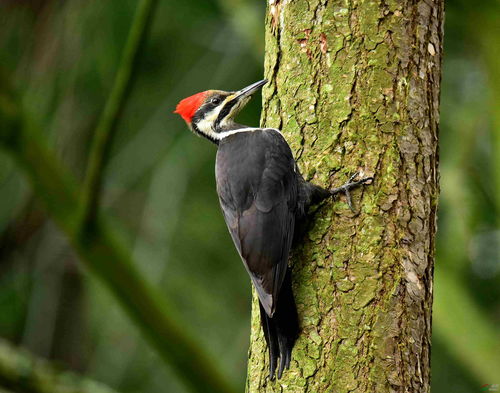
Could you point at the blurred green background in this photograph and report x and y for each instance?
(62, 56)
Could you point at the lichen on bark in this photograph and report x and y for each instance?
(354, 86)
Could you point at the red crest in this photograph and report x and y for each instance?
(188, 106)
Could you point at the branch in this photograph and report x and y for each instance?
(21, 370)
(108, 121)
(100, 251)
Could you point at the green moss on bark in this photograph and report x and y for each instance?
(354, 87)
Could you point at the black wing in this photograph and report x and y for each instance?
(257, 188)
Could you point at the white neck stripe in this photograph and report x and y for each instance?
(221, 135)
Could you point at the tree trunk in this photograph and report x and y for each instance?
(354, 85)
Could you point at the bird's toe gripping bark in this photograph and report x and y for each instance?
(351, 183)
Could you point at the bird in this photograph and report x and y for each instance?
(264, 201)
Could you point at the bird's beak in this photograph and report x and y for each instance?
(249, 90)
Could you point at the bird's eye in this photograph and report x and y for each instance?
(215, 101)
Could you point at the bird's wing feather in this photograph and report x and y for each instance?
(257, 191)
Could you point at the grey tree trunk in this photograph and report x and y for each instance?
(354, 85)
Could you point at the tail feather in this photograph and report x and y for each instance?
(271, 339)
(282, 329)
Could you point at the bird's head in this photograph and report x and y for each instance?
(212, 112)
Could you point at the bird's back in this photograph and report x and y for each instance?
(257, 188)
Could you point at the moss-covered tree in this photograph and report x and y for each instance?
(354, 85)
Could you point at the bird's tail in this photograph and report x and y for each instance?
(282, 329)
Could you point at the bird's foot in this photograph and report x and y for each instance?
(352, 183)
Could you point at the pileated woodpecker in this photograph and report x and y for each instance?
(264, 199)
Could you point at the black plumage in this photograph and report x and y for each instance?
(264, 200)
(262, 195)
(258, 195)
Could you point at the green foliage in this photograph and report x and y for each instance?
(61, 59)
(20, 371)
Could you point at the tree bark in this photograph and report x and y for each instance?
(354, 86)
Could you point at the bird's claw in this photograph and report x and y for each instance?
(351, 183)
